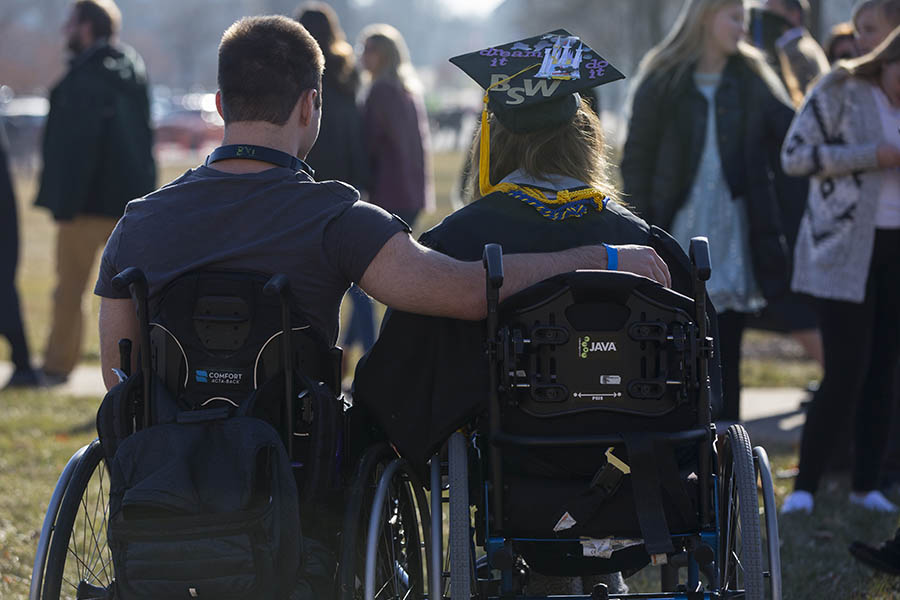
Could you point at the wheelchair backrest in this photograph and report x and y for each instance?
(599, 342)
(215, 339)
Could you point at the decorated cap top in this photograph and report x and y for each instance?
(533, 83)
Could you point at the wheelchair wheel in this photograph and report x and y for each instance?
(394, 567)
(770, 529)
(79, 563)
(460, 537)
(397, 564)
(740, 546)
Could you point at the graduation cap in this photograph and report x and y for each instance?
(533, 84)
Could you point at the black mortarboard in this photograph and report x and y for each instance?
(533, 84)
(545, 72)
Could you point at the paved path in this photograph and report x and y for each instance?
(771, 415)
(85, 380)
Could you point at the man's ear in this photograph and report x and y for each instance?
(219, 104)
(308, 100)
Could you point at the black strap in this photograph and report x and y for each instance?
(670, 479)
(584, 506)
(647, 496)
(251, 152)
(203, 415)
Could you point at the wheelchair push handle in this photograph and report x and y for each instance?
(700, 260)
(492, 259)
(277, 285)
(134, 280)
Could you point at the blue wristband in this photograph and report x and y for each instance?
(612, 257)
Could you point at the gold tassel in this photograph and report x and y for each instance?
(484, 159)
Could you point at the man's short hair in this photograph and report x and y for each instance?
(103, 15)
(265, 64)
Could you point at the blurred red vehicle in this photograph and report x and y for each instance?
(192, 125)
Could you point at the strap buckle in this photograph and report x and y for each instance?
(615, 461)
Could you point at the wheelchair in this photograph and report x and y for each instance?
(597, 452)
(209, 339)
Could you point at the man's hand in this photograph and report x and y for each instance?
(643, 260)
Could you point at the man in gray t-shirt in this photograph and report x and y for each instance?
(255, 207)
(273, 221)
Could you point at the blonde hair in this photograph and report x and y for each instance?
(390, 44)
(680, 50)
(576, 150)
(868, 66)
(890, 10)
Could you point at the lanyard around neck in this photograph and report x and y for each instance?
(251, 152)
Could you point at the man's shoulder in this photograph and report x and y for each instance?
(338, 189)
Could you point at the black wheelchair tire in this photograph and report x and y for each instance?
(739, 513)
(351, 575)
(460, 536)
(95, 568)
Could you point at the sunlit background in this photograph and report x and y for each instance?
(178, 39)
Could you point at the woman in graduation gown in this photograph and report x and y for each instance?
(539, 184)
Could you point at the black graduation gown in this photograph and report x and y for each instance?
(427, 376)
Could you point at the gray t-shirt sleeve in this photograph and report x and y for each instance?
(353, 239)
(108, 265)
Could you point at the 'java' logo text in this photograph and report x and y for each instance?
(586, 346)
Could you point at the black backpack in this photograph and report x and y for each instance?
(204, 500)
(204, 509)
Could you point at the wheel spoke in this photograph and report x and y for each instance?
(82, 563)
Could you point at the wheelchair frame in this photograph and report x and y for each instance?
(728, 503)
(55, 555)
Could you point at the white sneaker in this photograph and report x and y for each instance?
(797, 500)
(873, 500)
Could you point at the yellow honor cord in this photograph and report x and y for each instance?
(484, 159)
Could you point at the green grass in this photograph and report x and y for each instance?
(39, 431)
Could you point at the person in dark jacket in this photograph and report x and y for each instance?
(552, 192)
(97, 156)
(708, 119)
(339, 153)
(777, 30)
(10, 313)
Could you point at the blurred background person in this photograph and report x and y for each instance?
(800, 57)
(778, 30)
(10, 311)
(395, 126)
(708, 118)
(848, 258)
(873, 21)
(97, 156)
(339, 152)
(395, 129)
(841, 43)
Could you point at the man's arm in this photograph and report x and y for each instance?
(408, 276)
(117, 320)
